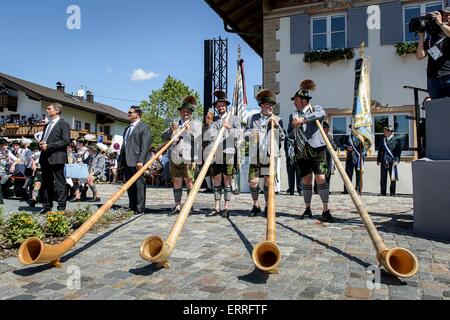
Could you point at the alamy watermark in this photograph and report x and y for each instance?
(74, 20)
(374, 17)
(374, 281)
(74, 280)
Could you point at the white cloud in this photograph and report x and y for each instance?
(142, 75)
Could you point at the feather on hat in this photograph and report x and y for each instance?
(189, 102)
(221, 96)
(265, 96)
(306, 86)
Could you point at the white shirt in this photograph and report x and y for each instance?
(130, 130)
(54, 122)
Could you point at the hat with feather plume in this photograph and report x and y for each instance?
(306, 86)
(265, 96)
(188, 102)
(221, 96)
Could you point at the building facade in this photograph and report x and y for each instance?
(20, 98)
(320, 40)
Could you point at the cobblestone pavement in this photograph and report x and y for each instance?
(212, 258)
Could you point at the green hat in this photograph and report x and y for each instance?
(265, 96)
(221, 97)
(16, 142)
(306, 86)
(189, 102)
(81, 140)
(93, 147)
(34, 146)
(3, 141)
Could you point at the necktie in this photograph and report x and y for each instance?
(47, 132)
(127, 136)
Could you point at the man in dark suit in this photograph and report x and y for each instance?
(134, 154)
(353, 160)
(53, 146)
(389, 152)
(293, 170)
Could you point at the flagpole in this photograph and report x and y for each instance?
(362, 54)
(361, 164)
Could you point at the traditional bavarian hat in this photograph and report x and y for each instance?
(221, 96)
(188, 102)
(306, 86)
(265, 96)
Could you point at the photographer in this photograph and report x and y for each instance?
(437, 47)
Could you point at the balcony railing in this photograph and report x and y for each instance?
(18, 131)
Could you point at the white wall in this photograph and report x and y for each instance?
(335, 83)
(118, 128)
(71, 114)
(25, 106)
(389, 73)
(371, 178)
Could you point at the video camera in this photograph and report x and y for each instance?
(425, 23)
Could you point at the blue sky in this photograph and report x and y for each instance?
(116, 38)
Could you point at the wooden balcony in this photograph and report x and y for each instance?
(28, 131)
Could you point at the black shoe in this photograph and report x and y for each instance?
(255, 211)
(191, 212)
(95, 199)
(225, 213)
(265, 212)
(75, 200)
(344, 192)
(175, 211)
(327, 217)
(291, 193)
(45, 211)
(307, 213)
(2, 202)
(213, 213)
(137, 212)
(32, 203)
(300, 193)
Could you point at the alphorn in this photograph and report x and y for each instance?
(266, 255)
(154, 248)
(34, 251)
(398, 261)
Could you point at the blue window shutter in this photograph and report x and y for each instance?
(300, 33)
(391, 22)
(357, 27)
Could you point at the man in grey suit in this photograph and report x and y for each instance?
(311, 157)
(53, 146)
(185, 153)
(133, 155)
(258, 129)
(224, 162)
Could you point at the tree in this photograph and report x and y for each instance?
(162, 106)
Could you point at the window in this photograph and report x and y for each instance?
(401, 130)
(379, 123)
(107, 130)
(77, 125)
(416, 10)
(339, 130)
(87, 126)
(328, 32)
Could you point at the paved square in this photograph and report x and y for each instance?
(212, 258)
